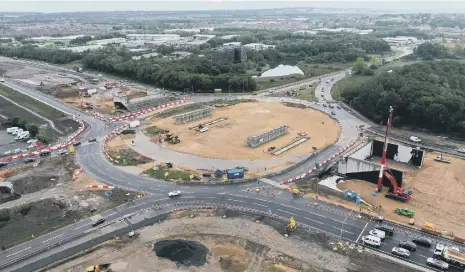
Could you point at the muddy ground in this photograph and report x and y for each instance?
(248, 119)
(235, 244)
(50, 200)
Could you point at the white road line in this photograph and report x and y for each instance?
(260, 204)
(313, 220)
(422, 256)
(230, 199)
(111, 214)
(81, 226)
(362, 231)
(285, 211)
(52, 238)
(18, 252)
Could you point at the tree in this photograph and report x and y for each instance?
(374, 62)
(33, 129)
(359, 66)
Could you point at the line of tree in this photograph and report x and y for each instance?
(84, 39)
(199, 74)
(428, 95)
(51, 55)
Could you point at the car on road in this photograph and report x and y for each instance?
(415, 139)
(438, 250)
(331, 106)
(387, 229)
(333, 113)
(371, 240)
(45, 153)
(408, 245)
(7, 152)
(98, 222)
(62, 151)
(437, 263)
(402, 252)
(3, 164)
(77, 143)
(423, 241)
(174, 193)
(461, 150)
(339, 107)
(324, 105)
(378, 233)
(17, 150)
(92, 140)
(29, 160)
(322, 95)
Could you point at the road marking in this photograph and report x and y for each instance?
(313, 220)
(362, 231)
(18, 252)
(422, 256)
(111, 214)
(81, 226)
(52, 238)
(230, 199)
(260, 204)
(286, 211)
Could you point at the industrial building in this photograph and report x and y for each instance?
(149, 55)
(401, 40)
(153, 37)
(231, 54)
(259, 46)
(232, 44)
(107, 41)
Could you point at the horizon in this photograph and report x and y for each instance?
(50, 7)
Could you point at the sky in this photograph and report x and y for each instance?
(186, 5)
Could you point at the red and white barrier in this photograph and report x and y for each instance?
(68, 142)
(94, 186)
(111, 134)
(136, 114)
(309, 172)
(76, 173)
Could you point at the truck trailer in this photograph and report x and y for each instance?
(450, 255)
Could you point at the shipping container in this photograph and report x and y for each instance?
(235, 173)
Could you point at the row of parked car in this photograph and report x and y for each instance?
(377, 235)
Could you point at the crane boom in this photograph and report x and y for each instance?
(385, 146)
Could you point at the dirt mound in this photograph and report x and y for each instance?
(183, 252)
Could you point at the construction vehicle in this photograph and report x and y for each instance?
(291, 226)
(99, 268)
(172, 139)
(395, 192)
(86, 105)
(405, 212)
(429, 228)
(295, 192)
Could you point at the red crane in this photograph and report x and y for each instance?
(395, 192)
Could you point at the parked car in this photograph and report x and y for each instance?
(437, 263)
(423, 241)
(402, 252)
(378, 233)
(371, 240)
(62, 151)
(31, 141)
(174, 193)
(17, 150)
(2, 164)
(408, 245)
(7, 152)
(45, 153)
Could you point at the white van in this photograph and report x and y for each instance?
(371, 240)
(11, 129)
(378, 233)
(16, 132)
(22, 135)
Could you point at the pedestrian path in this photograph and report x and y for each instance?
(274, 183)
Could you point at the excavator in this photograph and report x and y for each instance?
(395, 192)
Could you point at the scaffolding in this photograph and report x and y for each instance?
(193, 115)
(264, 137)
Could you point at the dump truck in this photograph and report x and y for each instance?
(450, 255)
(99, 268)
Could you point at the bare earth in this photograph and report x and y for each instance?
(438, 195)
(235, 245)
(226, 140)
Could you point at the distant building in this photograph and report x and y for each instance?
(107, 41)
(179, 54)
(232, 44)
(228, 37)
(231, 54)
(259, 46)
(64, 39)
(153, 37)
(146, 56)
(401, 40)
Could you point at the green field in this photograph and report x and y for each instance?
(31, 103)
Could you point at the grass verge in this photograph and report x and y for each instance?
(31, 103)
(128, 157)
(170, 174)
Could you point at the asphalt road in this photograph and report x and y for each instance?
(324, 217)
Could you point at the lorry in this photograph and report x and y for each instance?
(134, 124)
(450, 255)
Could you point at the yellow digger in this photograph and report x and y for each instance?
(99, 268)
